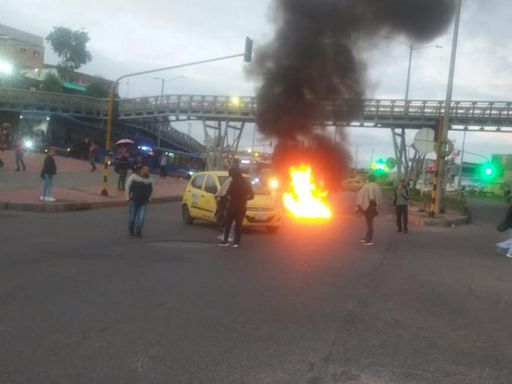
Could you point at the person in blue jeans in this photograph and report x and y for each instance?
(18, 153)
(138, 189)
(49, 170)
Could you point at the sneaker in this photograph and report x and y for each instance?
(220, 237)
(508, 254)
(231, 239)
(235, 245)
(223, 244)
(362, 241)
(369, 243)
(49, 198)
(42, 198)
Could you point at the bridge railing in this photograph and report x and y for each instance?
(188, 104)
(497, 113)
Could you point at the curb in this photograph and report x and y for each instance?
(76, 206)
(439, 221)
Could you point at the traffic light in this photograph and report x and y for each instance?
(248, 50)
(490, 172)
(380, 168)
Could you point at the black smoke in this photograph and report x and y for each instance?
(312, 65)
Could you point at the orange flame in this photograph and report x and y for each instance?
(306, 200)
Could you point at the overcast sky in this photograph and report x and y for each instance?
(128, 36)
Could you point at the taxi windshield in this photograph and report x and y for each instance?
(257, 187)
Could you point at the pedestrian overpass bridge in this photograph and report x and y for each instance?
(381, 113)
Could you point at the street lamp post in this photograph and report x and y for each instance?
(164, 81)
(412, 48)
(247, 55)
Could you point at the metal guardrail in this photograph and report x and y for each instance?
(374, 112)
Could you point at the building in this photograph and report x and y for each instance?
(21, 49)
(73, 81)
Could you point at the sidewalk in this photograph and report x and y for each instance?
(75, 187)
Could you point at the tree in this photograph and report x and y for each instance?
(70, 46)
(51, 83)
(98, 88)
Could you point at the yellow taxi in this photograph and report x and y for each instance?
(353, 184)
(199, 202)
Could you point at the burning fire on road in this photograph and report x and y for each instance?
(306, 200)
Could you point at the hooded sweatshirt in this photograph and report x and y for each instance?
(139, 189)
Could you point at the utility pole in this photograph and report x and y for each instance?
(437, 190)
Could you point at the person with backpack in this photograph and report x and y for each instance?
(239, 192)
(401, 202)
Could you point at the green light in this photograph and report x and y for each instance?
(489, 172)
(380, 168)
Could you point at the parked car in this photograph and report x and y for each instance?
(199, 202)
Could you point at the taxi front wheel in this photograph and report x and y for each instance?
(185, 214)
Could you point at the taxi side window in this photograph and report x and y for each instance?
(210, 186)
(197, 182)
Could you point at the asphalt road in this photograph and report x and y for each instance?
(80, 302)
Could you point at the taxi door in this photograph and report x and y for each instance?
(193, 195)
(208, 202)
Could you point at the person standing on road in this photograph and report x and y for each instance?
(49, 170)
(239, 192)
(369, 199)
(222, 206)
(401, 202)
(93, 154)
(139, 188)
(122, 166)
(18, 153)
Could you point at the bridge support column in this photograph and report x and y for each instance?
(400, 147)
(221, 138)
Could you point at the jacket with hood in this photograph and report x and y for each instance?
(139, 189)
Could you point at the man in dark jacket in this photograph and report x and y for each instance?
(122, 166)
(139, 188)
(401, 202)
(49, 170)
(239, 192)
